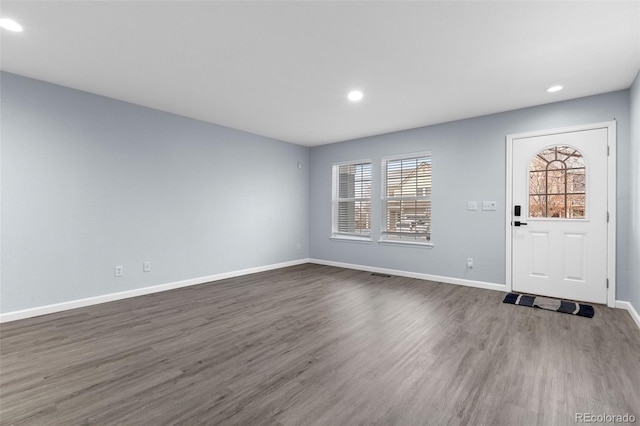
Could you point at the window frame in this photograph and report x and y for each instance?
(566, 193)
(336, 234)
(384, 232)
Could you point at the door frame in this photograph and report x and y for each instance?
(611, 199)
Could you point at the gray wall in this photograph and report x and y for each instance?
(468, 165)
(90, 182)
(634, 228)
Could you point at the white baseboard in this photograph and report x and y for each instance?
(632, 311)
(421, 276)
(73, 304)
(79, 303)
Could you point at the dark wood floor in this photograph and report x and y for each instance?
(317, 345)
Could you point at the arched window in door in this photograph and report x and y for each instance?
(557, 184)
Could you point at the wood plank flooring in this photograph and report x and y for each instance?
(317, 345)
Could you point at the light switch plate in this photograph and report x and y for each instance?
(488, 205)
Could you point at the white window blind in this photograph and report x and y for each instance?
(352, 199)
(406, 198)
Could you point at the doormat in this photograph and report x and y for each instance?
(557, 305)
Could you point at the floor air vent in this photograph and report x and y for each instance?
(381, 275)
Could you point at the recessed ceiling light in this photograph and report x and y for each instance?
(355, 95)
(553, 89)
(10, 24)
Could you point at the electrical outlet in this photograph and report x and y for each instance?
(472, 205)
(489, 205)
(469, 262)
(119, 271)
(146, 266)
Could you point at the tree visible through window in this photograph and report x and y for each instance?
(352, 199)
(407, 198)
(557, 183)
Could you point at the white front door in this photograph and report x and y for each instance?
(559, 215)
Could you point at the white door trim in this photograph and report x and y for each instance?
(611, 199)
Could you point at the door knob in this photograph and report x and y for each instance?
(518, 223)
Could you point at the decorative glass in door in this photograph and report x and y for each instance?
(557, 184)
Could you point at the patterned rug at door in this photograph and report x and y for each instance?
(557, 305)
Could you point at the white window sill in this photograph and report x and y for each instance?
(351, 239)
(405, 243)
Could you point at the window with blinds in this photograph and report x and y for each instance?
(406, 198)
(352, 199)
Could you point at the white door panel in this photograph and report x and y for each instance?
(560, 182)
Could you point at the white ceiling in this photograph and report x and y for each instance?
(283, 69)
